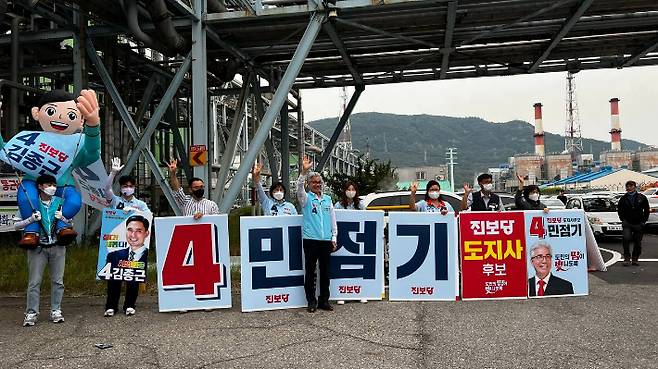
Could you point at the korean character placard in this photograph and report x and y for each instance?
(193, 263)
(422, 257)
(37, 153)
(124, 243)
(357, 266)
(493, 255)
(91, 181)
(272, 263)
(557, 253)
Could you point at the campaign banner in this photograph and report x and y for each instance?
(357, 266)
(91, 182)
(37, 153)
(124, 243)
(493, 255)
(8, 188)
(193, 263)
(422, 257)
(557, 254)
(8, 216)
(272, 263)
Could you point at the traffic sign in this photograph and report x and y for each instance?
(198, 156)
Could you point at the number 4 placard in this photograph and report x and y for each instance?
(193, 263)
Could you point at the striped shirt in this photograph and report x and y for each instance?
(191, 206)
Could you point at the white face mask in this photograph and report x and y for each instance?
(533, 196)
(350, 194)
(434, 195)
(278, 195)
(127, 191)
(488, 187)
(50, 190)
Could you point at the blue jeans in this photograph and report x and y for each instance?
(71, 203)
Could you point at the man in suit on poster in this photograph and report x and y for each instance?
(544, 283)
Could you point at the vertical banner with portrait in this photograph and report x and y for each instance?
(193, 263)
(357, 266)
(422, 257)
(124, 243)
(272, 261)
(557, 254)
(493, 256)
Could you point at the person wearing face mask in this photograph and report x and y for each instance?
(483, 200)
(127, 201)
(527, 198)
(633, 210)
(195, 205)
(47, 252)
(433, 203)
(319, 235)
(277, 205)
(349, 198)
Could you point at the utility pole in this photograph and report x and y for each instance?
(451, 155)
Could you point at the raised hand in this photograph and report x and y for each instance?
(306, 164)
(467, 188)
(116, 165)
(520, 178)
(88, 105)
(36, 216)
(413, 187)
(59, 215)
(173, 166)
(255, 173)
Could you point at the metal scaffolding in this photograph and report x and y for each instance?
(227, 75)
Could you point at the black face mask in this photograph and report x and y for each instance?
(198, 193)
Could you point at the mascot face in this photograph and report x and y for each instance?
(61, 117)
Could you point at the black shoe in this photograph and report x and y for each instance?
(627, 262)
(326, 306)
(312, 308)
(635, 263)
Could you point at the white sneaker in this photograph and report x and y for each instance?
(207, 310)
(130, 311)
(364, 301)
(30, 319)
(340, 302)
(182, 311)
(109, 313)
(56, 316)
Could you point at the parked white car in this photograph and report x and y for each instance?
(553, 203)
(601, 212)
(652, 196)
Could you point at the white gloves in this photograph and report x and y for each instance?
(36, 216)
(116, 165)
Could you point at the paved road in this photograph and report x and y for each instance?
(615, 326)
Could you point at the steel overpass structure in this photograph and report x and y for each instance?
(227, 74)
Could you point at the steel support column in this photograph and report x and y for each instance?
(269, 146)
(639, 55)
(229, 151)
(13, 94)
(285, 148)
(147, 97)
(339, 128)
(447, 41)
(178, 141)
(279, 99)
(132, 128)
(200, 129)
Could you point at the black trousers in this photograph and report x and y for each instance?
(114, 292)
(316, 251)
(632, 232)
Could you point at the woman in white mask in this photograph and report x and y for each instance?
(527, 198)
(276, 204)
(349, 198)
(433, 202)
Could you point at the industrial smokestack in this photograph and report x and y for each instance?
(615, 127)
(539, 131)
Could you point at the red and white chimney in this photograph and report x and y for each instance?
(539, 131)
(615, 127)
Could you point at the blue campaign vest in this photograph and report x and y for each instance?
(317, 217)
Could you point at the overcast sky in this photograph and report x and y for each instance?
(501, 99)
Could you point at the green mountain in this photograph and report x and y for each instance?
(406, 139)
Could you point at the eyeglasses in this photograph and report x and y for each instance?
(542, 257)
(316, 182)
